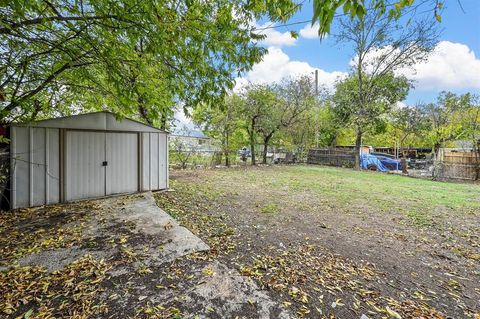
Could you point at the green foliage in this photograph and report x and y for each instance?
(221, 123)
(324, 11)
(366, 111)
(453, 117)
(129, 56)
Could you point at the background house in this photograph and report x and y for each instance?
(192, 140)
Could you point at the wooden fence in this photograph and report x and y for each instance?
(332, 157)
(460, 165)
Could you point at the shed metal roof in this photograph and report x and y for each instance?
(102, 121)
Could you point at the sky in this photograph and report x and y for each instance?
(453, 66)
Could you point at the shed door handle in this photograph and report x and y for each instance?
(105, 163)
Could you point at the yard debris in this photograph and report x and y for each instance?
(284, 254)
(31, 230)
(67, 293)
(368, 263)
(158, 312)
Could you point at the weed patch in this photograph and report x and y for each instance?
(270, 208)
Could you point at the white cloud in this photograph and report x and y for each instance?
(401, 105)
(274, 37)
(277, 65)
(309, 31)
(450, 66)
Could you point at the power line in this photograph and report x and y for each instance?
(272, 26)
(282, 25)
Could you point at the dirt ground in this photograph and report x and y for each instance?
(273, 242)
(331, 243)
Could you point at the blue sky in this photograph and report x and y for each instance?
(454, 65)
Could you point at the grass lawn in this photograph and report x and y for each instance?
(331, 242)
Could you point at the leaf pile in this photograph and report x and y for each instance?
(319, 282)
(158, 312)
(32, 230)
(190, 209)
(71, 292)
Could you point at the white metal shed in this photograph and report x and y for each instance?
(84, 156)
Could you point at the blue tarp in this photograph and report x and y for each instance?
(367, 159)
(390, 163)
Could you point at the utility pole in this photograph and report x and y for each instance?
(316, 82)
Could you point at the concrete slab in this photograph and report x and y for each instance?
(150, 220)
(159, 238)
(228, 293)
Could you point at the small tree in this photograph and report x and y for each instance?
(293, 98)
(182, 147)
(408, 121)
(220, 122)
(441, 127)
(259, 101)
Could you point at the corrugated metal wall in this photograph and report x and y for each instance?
(36, 164)
(154, 161)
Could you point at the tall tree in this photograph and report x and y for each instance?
(129, 56)
(382, 46)
(294, 97)
(384, 91)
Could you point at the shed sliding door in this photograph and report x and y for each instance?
(100, 163)
(122, 163)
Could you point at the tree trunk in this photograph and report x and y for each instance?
(436, 150)
(358, 145)
(163, 120)
(252, 148)
(251, 134)
(143, 111)
(266, 139)
(36, 110)
(226, 148)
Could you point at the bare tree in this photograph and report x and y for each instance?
(183, 147)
